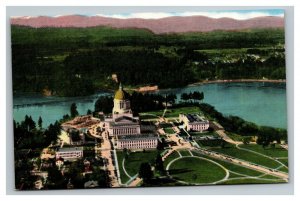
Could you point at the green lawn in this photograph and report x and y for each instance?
(148, 116)
(165, 125)
(196, 170)
(170, 158)
(234, 136)
(123, 176)
(185, 153)
(247, 156)
(231, 166)
(284, 161)
(135, 159)
(169, 130)
(283, 169)
(272, 152)
(216, 143)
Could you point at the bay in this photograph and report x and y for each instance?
(258, 102)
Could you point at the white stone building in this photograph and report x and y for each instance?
(141, 141)
(69, 153)
(194, 122)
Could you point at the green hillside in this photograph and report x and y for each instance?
(78, 61)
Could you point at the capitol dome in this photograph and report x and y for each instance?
(121, 94)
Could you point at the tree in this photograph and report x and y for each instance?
(28, 123)
(89, 112)
(145, 172)
(55, 179)
(246, 140)
(40, 122)
(104, 104)
(73, 110)
(159, 164)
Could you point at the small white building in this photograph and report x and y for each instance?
(70, 153)
(194, 122)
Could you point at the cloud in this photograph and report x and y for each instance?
(215, 14)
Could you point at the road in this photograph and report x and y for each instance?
(105, 153)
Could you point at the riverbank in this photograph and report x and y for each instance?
(237, 80)
(155, 88)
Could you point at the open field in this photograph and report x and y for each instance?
(196, 171)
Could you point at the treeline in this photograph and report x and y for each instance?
(78, 61)
(93, 37)
(139, 102)
(29, 136)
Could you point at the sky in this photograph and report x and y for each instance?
(235, 14)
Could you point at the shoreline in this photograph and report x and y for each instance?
(237, 80)
(159, 89)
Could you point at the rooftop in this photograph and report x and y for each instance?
(138, 137)
(195, 118)
(67, 149)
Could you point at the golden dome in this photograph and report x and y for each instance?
(121, 94)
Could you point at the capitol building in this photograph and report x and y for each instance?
(125, 128)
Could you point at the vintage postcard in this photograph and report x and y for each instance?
(149, 99)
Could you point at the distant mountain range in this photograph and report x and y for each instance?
(158, 26)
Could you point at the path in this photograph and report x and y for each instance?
(105, 151)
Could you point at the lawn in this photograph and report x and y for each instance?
(231, 166)
(169, 130)
(247, 156)
(148, 116)
(196, 170)
(278, 151)
(234, 136)
(123, 176)
(209, 143)
(165, 125)
(170, 158)
(284, 161)
(135, 159)
(185, 153)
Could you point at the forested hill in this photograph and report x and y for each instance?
(78, 61)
